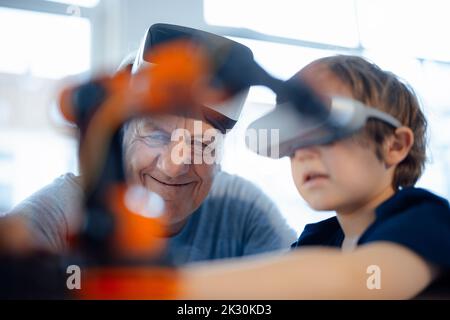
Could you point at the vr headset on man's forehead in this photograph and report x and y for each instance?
(220, 49)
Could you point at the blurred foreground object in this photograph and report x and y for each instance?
(178, 70)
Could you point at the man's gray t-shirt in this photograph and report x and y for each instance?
(235, 219)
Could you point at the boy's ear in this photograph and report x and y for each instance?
(398, 146)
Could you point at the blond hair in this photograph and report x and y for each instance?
(383, 90)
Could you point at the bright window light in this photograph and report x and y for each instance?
(82, 3)
(44, 45)
(327, 21)
(410, 27)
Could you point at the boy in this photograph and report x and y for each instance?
(388, 240)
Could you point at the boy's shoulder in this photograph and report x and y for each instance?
(412, 199)
(407, 209)
(416, 219)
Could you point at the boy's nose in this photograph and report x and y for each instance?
(306, 153)
(173, 167)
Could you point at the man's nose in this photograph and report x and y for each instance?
(169, 165)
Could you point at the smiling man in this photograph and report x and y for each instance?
(152, 160)
(210, 214)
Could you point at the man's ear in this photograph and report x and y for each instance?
(398, 146)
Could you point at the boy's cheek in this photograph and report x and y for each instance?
(296, 175)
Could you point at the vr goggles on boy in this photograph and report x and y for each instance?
(296, 131)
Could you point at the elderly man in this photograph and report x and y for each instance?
(210, 214)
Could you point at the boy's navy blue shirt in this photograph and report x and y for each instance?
(413, 217)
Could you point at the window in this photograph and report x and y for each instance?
(38, 49)
(83, 3)
(44, 45)
(415, 28)
(296, 19)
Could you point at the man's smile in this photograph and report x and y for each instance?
(167, 183)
